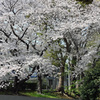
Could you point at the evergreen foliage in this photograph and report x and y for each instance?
(90, 89)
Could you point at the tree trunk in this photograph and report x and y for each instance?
(60, 87)
(16, 85)
(77, 84)
(69, 82)
(39, 84)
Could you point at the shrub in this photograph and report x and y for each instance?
(90, 89)
(29, 86)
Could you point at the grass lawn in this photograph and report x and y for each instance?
(45, 94)
(35, 94)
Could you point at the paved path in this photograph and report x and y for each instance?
(10, 97)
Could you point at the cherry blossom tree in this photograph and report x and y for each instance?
(72, 22)
(18, 66)
(21, 47)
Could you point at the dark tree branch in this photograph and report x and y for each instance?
(74, 43)
(19, 37)
(24, 33)
(19, 10)
(28, 77)
(67, 45)
(98, 47)
(14, 4)
(7, 35)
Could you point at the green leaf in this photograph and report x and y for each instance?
(39, 34)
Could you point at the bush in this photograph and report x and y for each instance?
(29, 86)
(90, 89)
(73, 92)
